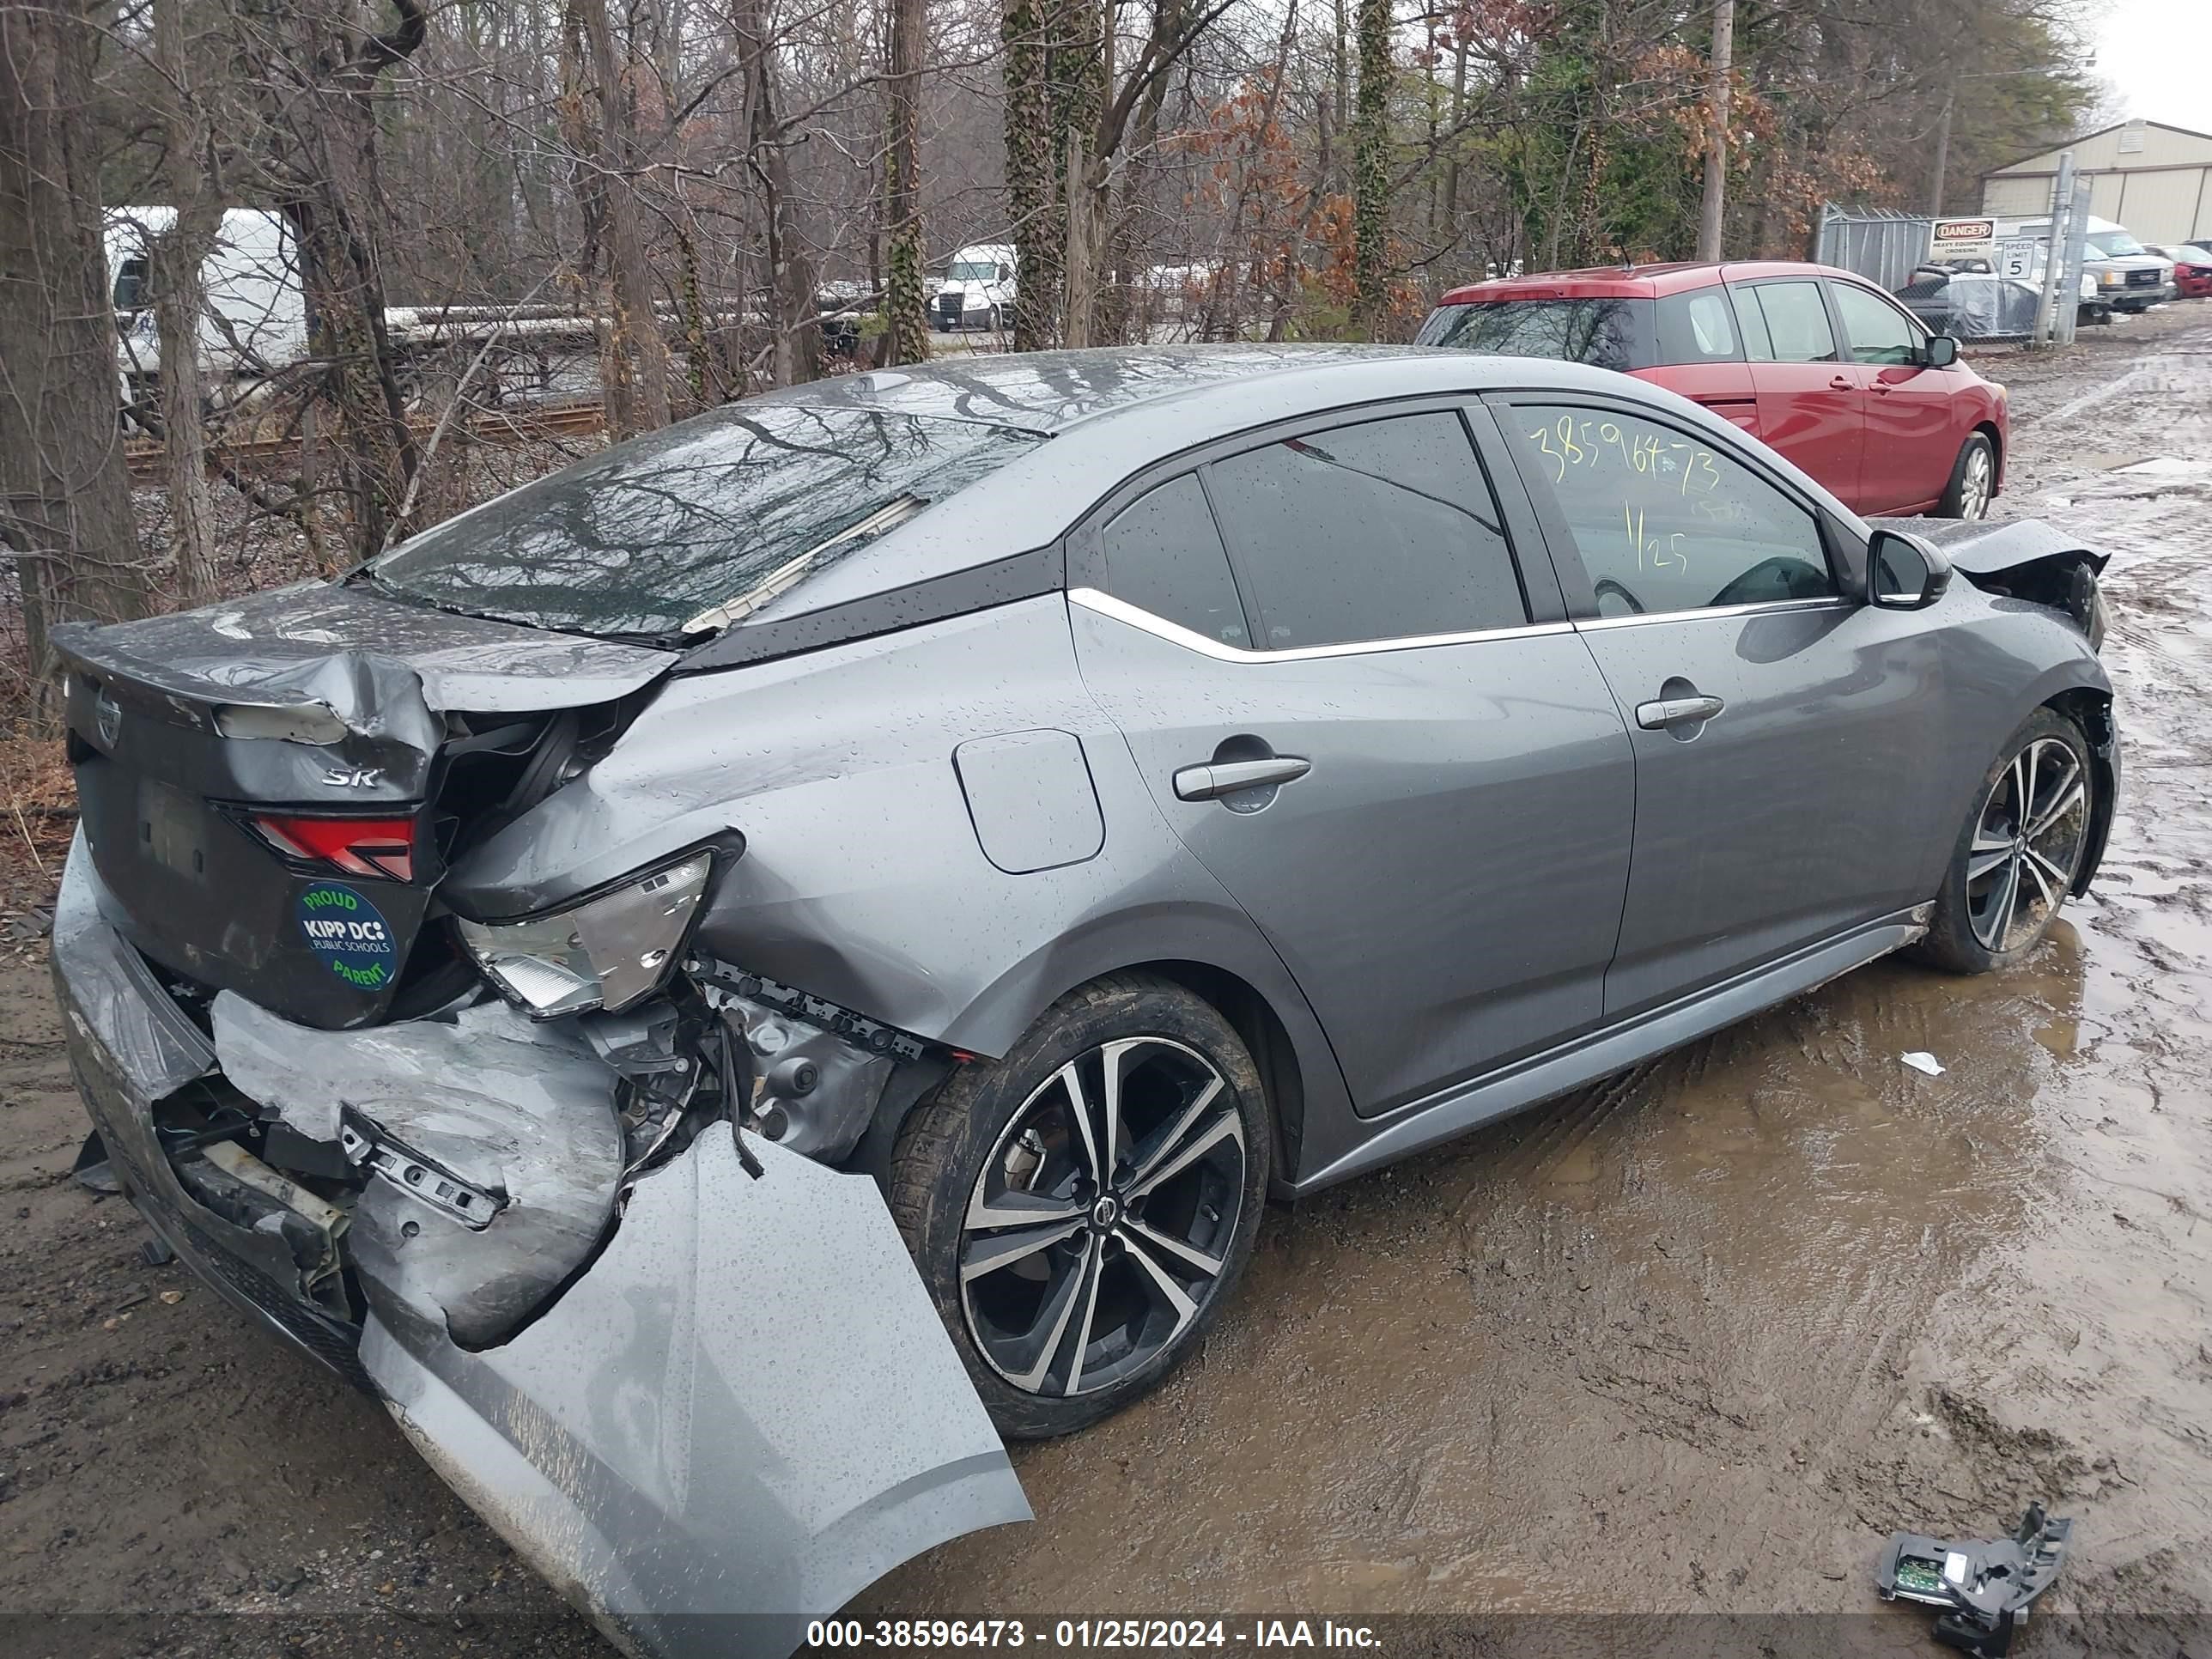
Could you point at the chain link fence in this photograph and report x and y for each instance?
(1876, 243)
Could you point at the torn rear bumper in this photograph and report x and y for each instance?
(736, 1414)
(743, 1414)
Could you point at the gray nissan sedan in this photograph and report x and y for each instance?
(726, 981)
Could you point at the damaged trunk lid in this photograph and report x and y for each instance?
(271, 789)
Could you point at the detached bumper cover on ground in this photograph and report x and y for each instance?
(743, 1409)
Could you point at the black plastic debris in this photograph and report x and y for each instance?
(1984, 1586)
(91, 1170)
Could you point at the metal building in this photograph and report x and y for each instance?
(2154, 178)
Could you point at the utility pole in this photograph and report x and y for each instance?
(1942, 153)
(1717, 134)
(2054, 251)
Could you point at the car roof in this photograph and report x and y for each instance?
(1048, 391)
(1133, 407)
(1634, 282)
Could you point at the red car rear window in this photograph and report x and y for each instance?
(1609, 333)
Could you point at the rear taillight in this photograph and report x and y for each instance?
(358, 847)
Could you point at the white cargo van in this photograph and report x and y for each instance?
(257, 312)
(978, 290)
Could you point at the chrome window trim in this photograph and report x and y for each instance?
(1121, 610)
(1832, 602)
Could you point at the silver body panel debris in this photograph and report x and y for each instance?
(497, 1104)
(746, 1412)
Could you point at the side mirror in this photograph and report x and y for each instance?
(1941, 351)
(1905, 573)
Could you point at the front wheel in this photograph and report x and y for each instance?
(1080, 1209)
(1973, 480)
(2022, 846)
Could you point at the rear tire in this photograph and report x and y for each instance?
(1973, 480)
(2012, 869)
(1078, 1260)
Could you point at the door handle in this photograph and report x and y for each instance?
(1677, 711)
(1840, 383)
(1882, 386)
(1219, 778)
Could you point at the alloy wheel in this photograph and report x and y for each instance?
(1098, 1230)
(2027, 844)
(1974, 487)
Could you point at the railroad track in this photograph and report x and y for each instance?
(525, 425)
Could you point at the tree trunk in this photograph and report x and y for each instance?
(794, 317)
(1942, 154)
(64, 499)
(1121, 312)
(176, 264)
(1715, 205)
(637, 356)
(1340, 101)
(1030, 197)
(906, 305)
(1083, 80)
(1076, 77)
(335, 208)
(1370, 181)
(1458, 114)
(1086, 230)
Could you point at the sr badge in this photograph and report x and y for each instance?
(350, 933)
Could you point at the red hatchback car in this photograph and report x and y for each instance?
(1822, 365)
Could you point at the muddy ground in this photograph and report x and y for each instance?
(1693, 1340)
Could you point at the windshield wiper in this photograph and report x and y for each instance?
(409, 596)
(787, 575)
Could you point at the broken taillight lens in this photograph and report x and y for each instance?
(358, 847)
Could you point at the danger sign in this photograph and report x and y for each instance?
(1962, 239)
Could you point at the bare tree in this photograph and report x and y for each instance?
(1032, 195)
(1713, 209)
(795, 341)
(176, 266)
(1370, 178)
(322, 152)
(635, 383)
(906, 307)
(64, 501)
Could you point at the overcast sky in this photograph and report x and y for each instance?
(2156, 57)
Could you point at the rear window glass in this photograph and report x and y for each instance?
(686, 530)
(1698, 327)
(1164, 554)
(1603, 333)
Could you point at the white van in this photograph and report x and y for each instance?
(978, 290)
(256, 313)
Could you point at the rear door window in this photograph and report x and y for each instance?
(1878, 330)
(1698, 327)
(1164, 554)
(1794, 323)
(1383, 530)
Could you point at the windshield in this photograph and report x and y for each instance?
(974, 270)
(1601, 332)
(678, 532)
(2114, 244)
